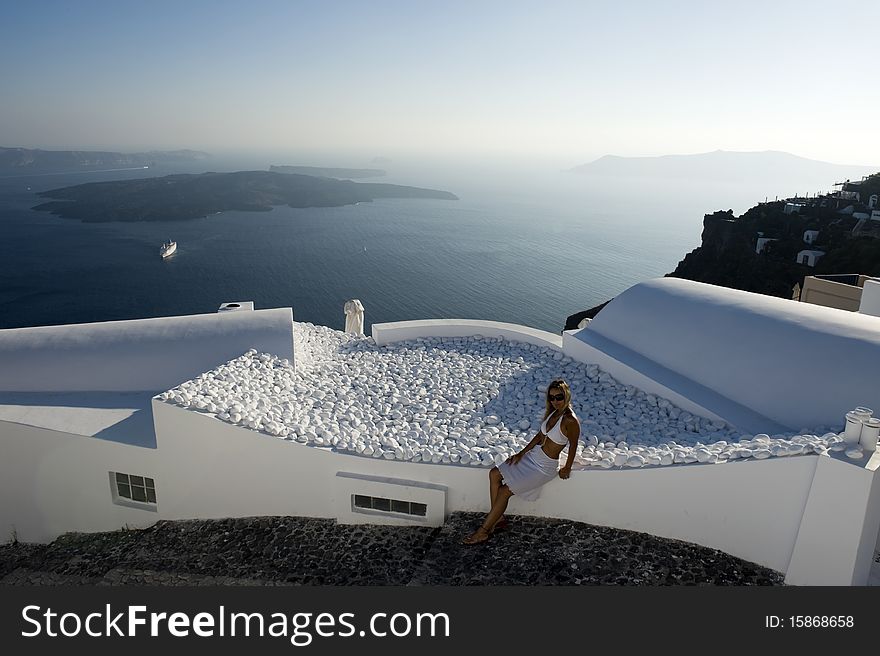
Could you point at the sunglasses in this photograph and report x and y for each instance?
(556, 397)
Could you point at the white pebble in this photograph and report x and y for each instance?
(463, 401)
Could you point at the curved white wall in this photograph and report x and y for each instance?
(799, 364)
(137, 355)
(752, 509)
(815, 518)
(400, 331)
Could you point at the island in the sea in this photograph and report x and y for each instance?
(325, 172)
(27, 161)
(720, 165)
(186, 196)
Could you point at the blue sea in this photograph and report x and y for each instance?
(528, 247)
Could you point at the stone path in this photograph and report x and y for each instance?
(306, 551)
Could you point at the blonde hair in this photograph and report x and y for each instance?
(557, 384)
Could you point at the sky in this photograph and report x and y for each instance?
(553, 80)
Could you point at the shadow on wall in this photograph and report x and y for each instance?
(123, 417)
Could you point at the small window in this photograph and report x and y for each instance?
(396, 506)
(131, 487)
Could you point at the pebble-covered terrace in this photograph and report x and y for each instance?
(469, 401)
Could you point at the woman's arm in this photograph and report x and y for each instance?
(572, 431)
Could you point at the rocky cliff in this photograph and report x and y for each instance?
(727, 255)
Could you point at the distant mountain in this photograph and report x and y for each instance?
(185, 196)
(346, 174)
(26, 160)
(722, 165)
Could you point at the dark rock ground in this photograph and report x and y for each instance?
(305, 551)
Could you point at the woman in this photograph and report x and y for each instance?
(525, 472)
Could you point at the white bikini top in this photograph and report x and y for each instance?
(555, 433)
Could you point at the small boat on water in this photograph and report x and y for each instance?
(168, 248)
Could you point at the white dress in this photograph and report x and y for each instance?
(535, 468)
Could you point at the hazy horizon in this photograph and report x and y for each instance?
(548, 187)
(563, 83)
(368, 159)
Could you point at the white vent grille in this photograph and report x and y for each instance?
(360, 503)
(364, 499)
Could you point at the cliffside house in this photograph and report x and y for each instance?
(762, 243)
(793, 208)
(849, 190)
(843, 291)
(810, 236)
(808, 257)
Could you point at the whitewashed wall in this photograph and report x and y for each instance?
(768, 354)
(137, 355)
(751, 509)
(812, 517)
(870, 301)
(215, 469)
(399, 331)
(838, 532)
(53, 482)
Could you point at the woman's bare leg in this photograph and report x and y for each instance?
(482, 534)
(498, 508)
(494, 484)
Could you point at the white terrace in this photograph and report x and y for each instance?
(708, 415)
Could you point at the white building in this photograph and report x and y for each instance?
(793, 208)
(89, 446)
(809, 257)
(761, 244)
(810, 236)
(849, 190)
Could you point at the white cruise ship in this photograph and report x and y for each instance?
(168, 248)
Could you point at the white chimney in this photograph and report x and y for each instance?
(236, 306)
(870, 303)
